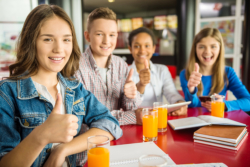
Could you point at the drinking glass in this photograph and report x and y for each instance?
(98, 151)
(152, 160)
(217, 106)
(162, 116)
(150, 124)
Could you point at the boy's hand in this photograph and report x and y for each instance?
(194, 79)
(144, 74)
(138, 114)
(130, 89)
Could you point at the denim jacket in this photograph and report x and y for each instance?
(22, 109)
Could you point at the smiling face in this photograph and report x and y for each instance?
(102, 37)
(54, 45)
(142, 47)
(207, 51)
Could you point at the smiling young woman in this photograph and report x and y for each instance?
(42, 105)
(207, 74)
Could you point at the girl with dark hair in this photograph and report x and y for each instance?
(42, 105)
(153, 80)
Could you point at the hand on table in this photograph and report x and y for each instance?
(130, 89)
(181, 111)
(138, 114)
(194, 79)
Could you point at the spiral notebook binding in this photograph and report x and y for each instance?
(130, 161)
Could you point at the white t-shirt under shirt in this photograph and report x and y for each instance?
(149, 97)
(103, 73)
(41, 89)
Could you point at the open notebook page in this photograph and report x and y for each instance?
(185, 123)
(219, 121)
(127, 155)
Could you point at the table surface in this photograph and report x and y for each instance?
(180, 147)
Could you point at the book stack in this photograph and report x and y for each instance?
(229, 137)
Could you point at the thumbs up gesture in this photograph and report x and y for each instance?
(58, 128)
(130, 89)
(194, 79)
(144, 74)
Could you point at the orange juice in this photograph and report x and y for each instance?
(150, 126)
(217, 109)
(98, 156)
(162, 118)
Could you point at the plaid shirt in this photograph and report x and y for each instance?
(110, 95)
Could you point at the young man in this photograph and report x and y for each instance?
(106, 75)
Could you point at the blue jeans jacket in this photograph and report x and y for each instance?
(22, 109)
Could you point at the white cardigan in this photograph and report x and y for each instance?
(161, 81)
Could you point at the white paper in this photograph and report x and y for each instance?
(185, 123)
(202, 120)
(127, 155)
(220, 121)
(201, 165)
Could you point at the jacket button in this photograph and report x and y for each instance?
(48, 150)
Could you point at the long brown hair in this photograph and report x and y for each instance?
(219, 76)
(26, 64)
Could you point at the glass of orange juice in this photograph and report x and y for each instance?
(217, 106)
(162, 116)
(150, 124)
(98, 151)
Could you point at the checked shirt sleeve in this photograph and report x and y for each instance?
(124, 117)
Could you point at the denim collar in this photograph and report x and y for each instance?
(26, 88)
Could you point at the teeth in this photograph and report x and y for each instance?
(56, 58)
(104, 47)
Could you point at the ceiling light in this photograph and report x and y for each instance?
(111, 1)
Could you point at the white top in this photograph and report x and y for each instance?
(103, 73)
(148, 97)
(41, 89)
(161, 82)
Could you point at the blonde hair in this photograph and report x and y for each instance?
(100, 13)
(219, 78)
(26, 46)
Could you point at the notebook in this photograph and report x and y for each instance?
(223, 145)
(127, 155)
(230, 134)
(202, 120)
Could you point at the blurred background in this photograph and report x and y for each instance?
(174, 23)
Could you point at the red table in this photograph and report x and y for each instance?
(180, 147)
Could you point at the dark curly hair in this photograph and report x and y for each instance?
(138, 31)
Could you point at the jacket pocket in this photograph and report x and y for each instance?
(26, 123)
(79, 107)
(79, 111)
(31, 121)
